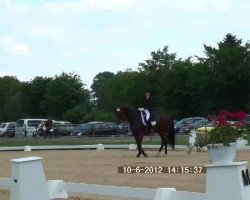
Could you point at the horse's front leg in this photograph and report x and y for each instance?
(139, 151)
(143, 152)
(160, 149)
(139, 146)
(166, 148)
(140, 142)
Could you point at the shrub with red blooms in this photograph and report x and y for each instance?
(226, 133)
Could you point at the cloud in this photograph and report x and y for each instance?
(10, 45)
(109, 4)
(13, 8)
(49, 31)
(4, 73)
(73, 9)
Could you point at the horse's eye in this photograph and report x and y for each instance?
(118, 109)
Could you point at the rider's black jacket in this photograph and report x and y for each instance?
(149, 104)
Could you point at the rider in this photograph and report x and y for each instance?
(149, 105)
(49, 124)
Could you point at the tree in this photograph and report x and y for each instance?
(229, 71)
(125, 88)
(98, 81)
(177, 90)
(63, 93)
(9, 99)
(32, 96)
(155, 68)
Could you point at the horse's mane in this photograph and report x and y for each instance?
(130, 112)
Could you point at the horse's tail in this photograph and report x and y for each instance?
(172, 135)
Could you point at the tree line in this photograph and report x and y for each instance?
(196, 86)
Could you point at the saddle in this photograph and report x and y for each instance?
(145, 117)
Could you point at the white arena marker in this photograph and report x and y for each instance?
(27, 148)
(54, 190)
(28, 181)
(241, 142)
(100, 147)
(132, 147)
(192, 137)
(164, 193)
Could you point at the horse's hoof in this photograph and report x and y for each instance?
(138, 156)
(158, 154)
(165, 154)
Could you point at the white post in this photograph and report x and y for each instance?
(100, 147)
(240, 142)
(132, 147)
(192, 137)
(164, 193)
(225, 181)
(28, 181)
(55, 191)
(27, 148)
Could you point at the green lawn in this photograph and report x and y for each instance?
(180, 140)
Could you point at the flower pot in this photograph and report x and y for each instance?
(220, 154)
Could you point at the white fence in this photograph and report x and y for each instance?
(27, 182)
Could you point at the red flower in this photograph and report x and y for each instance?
(225, 115)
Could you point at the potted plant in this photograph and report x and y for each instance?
(221, 140)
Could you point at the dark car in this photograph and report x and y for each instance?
(64, 128)
(247, 121)
(185, 125)
(200, 123)
(96, 129)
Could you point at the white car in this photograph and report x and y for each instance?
(5, 126)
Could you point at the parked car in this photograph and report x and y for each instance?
(78, 130)
(96, 129)
(200, 123)
(7, 129)
(208, 126)
(64, 128)
(185, 125)
(247, 121)
(26, 127)
(124, 129)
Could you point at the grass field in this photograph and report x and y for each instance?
(67, 140)
(180, 140)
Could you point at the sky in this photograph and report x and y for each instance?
(87, 37)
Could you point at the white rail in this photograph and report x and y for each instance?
(108, 190)
(5, 182)
(28, 182)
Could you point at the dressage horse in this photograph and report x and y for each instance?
(164, 126)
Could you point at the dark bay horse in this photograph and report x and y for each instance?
(164, 126)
